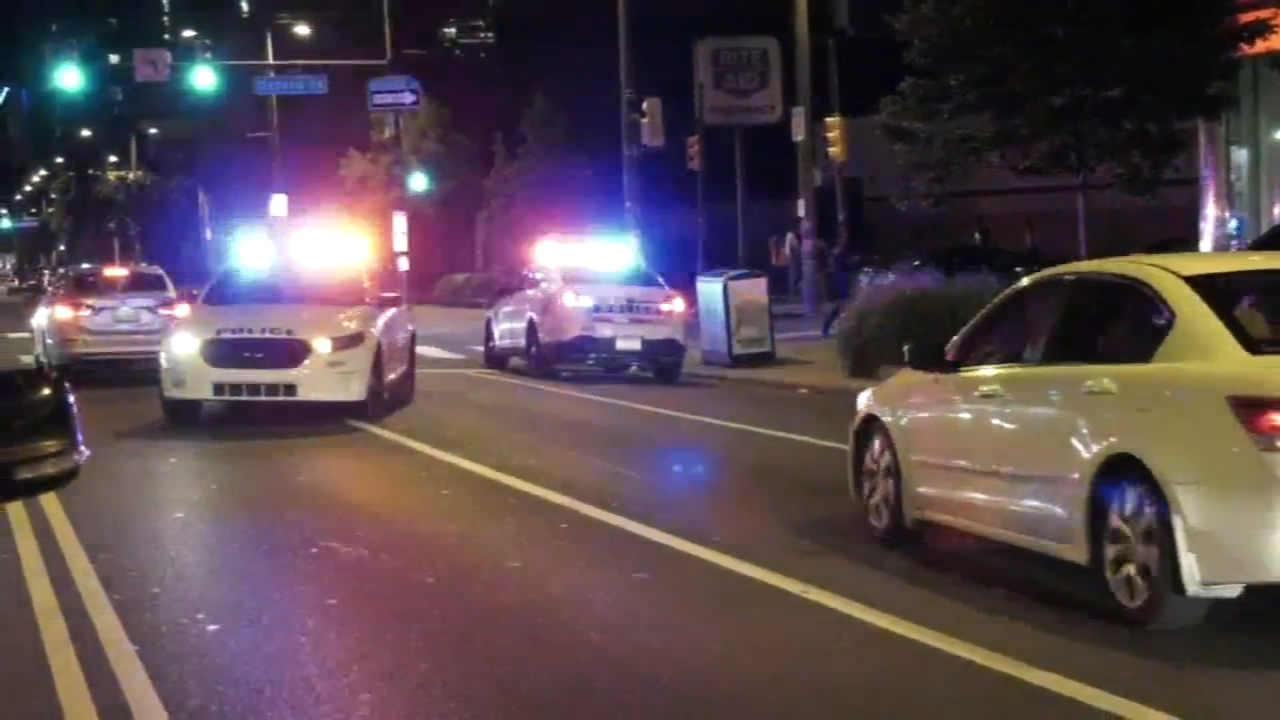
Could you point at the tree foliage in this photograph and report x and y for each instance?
(1085, 88)
(534, 187)
(428, 141)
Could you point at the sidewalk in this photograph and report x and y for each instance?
(809, 365)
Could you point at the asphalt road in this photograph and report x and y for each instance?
(576, 548)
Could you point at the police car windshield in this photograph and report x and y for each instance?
(285, 289)
(637, 277)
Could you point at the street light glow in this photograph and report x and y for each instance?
(112, 159)
(302, 30)
(59, 160)
(26, 188)
(153, 131)
(188, 33)
(86, 133)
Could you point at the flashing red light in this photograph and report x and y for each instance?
(115, 272)
(63, 312)
(177, 310)
(675, 305)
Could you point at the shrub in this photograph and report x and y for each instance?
(900, 308)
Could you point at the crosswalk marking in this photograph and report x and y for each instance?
(431, 351)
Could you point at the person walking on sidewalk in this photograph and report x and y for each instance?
(842, 263)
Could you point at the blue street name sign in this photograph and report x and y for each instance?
(291, 85)
(393, 93)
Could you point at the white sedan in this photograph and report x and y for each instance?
(1122, 414)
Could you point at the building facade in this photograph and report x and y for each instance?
(1239, 153)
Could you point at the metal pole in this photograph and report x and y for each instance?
(701, 179)
(624, 82)
(273, 114)
(804, 159)
(133, 153)
(837, 168)
(740, 184)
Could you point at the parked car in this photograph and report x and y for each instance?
(41, 444)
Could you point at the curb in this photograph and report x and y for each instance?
(853, 388)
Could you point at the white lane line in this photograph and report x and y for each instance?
(431, 351)
(476, 348)
(17, 335)
(1003, 664)
(68, 677)
(797, 335)
(670, 413)
(139, 692)
(452, 371)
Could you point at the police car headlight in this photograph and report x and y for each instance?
(184, 343)
(326, 345)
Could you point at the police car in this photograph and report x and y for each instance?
(301, 321)
(588, 301)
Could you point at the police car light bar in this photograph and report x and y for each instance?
(252, 250)
(598, 254)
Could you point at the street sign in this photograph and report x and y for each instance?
(291, 85)
(399, 231)
(740, 79)
(393, 93)
(153, 65)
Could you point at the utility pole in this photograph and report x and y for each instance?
(626, 95)
(273, 115)
(837, 167)
(804, 160)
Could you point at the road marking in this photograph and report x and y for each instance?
(139, 692)
(991, 660)
(798, 335)
(476, 348)
(68, 677)
(431, 351)
(447, 371)
(671, 413)
(17, 335)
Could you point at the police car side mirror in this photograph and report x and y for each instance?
(389, 300)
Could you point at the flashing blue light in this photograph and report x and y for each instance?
(251, 249)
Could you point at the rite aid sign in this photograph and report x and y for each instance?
(739, 80)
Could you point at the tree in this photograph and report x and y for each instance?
(535, 188)
(376, 178)
(1092, 89)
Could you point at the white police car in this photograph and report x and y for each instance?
(588, 301)
(308, 325)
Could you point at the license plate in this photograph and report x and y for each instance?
(629, 344)
(125, 315)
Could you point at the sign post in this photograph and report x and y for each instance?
(738, 84)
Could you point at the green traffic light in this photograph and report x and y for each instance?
(6, 223)
(418, 182)
(203, 78)
(69, 78)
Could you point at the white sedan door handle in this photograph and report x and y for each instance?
(989, 392)
(1099, 386)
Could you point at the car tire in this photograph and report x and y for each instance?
(407, 385)
(534, 354)
(877, 487)
(1135, 555)
(668, 373)
(374, 405)
(181, 413)
(493, 360)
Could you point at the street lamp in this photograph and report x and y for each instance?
(86, 133)
(299, 29)
(153, 131)
(26, 188)
(188, 33)
(59, 160)
(112, 159)
(302, 30)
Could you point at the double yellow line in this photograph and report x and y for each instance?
(68, 676)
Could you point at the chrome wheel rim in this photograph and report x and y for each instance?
(879, 479)
(1131, 544)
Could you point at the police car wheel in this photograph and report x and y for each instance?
(180, 413)
(407, 385)
(492, 358)
(375, 401)
(668, 374)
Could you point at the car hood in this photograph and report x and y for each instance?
(303, 321)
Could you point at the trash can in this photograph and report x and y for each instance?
(735, 318)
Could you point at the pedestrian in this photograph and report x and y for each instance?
(791, 249)
(842, 263)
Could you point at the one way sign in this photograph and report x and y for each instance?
(394, 93)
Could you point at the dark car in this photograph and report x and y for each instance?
(41, 445)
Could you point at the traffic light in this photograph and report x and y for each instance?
(418, 182)
(833, 128)
(693, 153)
(6, 223)
(203, 78)
(68, 77)
(652, 132)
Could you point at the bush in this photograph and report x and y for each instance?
(900, 308)
(465, 290)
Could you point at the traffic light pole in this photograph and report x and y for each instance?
(624, 82)
(805, 210)
(837, 167)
